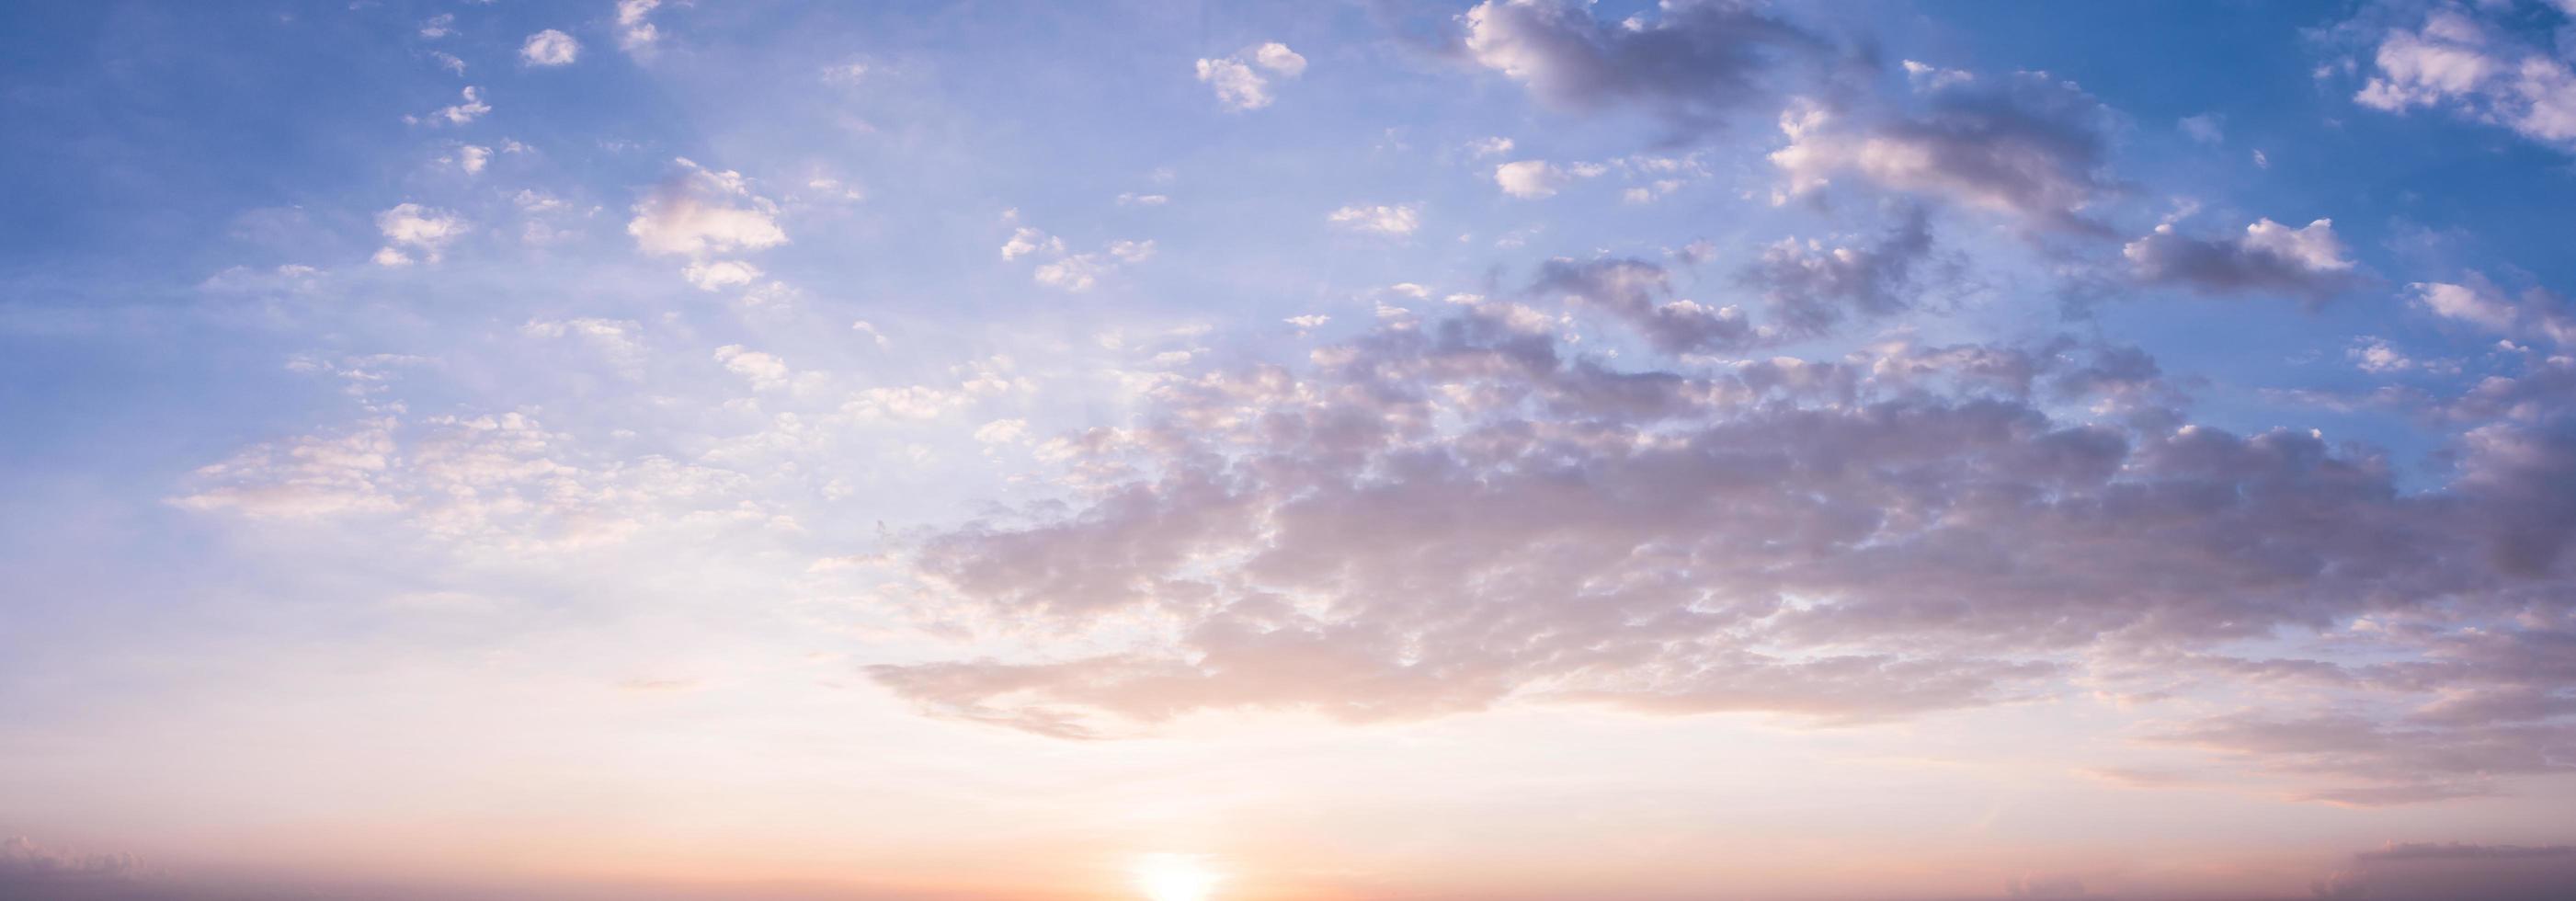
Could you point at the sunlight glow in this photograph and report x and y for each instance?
(1176, 877)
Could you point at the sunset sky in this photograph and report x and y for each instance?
(1269, 451)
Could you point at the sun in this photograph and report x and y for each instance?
(1175, 877)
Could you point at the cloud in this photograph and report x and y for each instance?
(765, 372)
(549, 48)
(1398, 220)
(1540, 178)
(2206, 128)
(463, 111)
(1444, 515)
(2425, 871)
(1808, 288)
(635, 31)
(2307, 262)
(701, 212)
(438, 26)
(2026, 144)
(1068, 271)
(1633, 291)
(1238, 79)
(2455, 62)
(411, 228)
(1691, 65)
(2537, 313)
(720, 274)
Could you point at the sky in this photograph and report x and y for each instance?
(1266, 451)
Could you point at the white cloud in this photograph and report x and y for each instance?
(1485, 147)
(1003, 431)
(764, 371)
(702, 212)
(635, 32)
(2458, 63)
(549, 48)
(467, 110)
(1537, 178)
(412, 227)
(1076, 272)
(1385, 220)
(720, 274)
(469, 157)
(1239, 84)
(1276, 57)
(438, 26)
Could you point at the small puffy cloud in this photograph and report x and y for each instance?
(1238, 79)
(549, 48)
(764, 371)
(702, 211)
(411, 228)
(2268, 257)
(1398, 220)
(720, 274)
(438, 26)
(1485, 147)
(869, 329)
(1539, 178)
(469, 158)
(2456, 62)
(1133, 199)
(635, 31)
(463, 111)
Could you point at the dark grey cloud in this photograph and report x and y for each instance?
(2306, 262)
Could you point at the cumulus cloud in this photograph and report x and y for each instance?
(1691, 64)
(410, 228)
(2307, 262)
(549, 48)
(1396, 220)
(702, 211)
(2456, 62)
(2026, 144)
(1239, 81)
